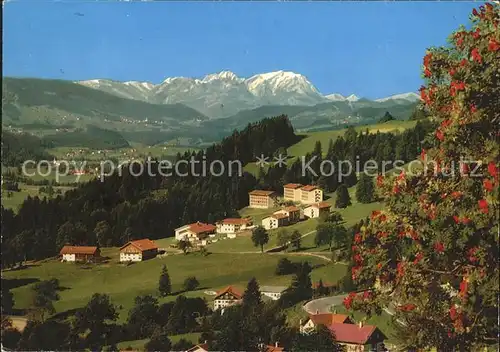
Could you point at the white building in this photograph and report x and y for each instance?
(227, 297)
(274, 221)
(195, 232)
(307, 194)
(79, 253)
(139, 250)
(273, 292)
(316, 210)
(233, 225)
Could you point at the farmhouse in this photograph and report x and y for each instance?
(194, 232)
(261, 199)
(233, 225)
(79, 253)
(358, 337)
(316, 210)
(274, 221)
(291, 191)
(292, 212)
(273, 292)
(311, 194)
(139, 250)
(326, 319)
(227, 297)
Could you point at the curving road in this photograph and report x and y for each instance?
(322, 305)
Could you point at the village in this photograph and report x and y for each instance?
(299, 203)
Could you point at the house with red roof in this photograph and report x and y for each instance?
(195, 232)
(138, 250)
(227, 297)
(317, 210)
(358, 337)
(79, 254)
(326, 319)
(231, 226)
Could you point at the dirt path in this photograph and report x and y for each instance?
(18, 322)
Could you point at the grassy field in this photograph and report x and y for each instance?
(17, 198)
(124, 283)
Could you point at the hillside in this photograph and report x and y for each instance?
(43, 107)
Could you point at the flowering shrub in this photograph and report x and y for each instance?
(432, 253)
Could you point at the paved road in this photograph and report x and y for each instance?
(322, 305)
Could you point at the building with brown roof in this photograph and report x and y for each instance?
(202, 347)
(274, 221)
(317, 209)
(79, 254)
(291, 191)
(233, 225)
(292, 212)
(307, 194)
(261, 199)
(358, 337)
(326, 319)
(227, 297)
(195, 232)
(311, 194)
(138, 250)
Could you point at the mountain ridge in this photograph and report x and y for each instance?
(223, 94)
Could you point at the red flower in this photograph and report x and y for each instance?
(423, 154)
(400, 269)
(354, 248)
(375, 213)
(379, 266)
(407, 307)
(418, 258)
(382, 234)
(476, 56)
(476, 34)
(427, 59)
(380, 180)
(439, 247)
(488, 185)
(473, 108)
(439, 135)
(427, 73)
(474, 12)
(483, 205)
(452, 71)
(464, 169)
(357, 238)
(382, 218)
(446, 123)
(463, 288)
(453, 312)
(456, 218)
(456, 194)
(348, 300)
(354, 271)
(465, 220)
(367, 295)
(463, 63)
(493, 45)
(358, 259)
(492, 169)
(472, 254)
(460, 85)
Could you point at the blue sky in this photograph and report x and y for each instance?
(371, 49)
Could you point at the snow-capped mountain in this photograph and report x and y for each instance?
(219, 94)
(224, 94)
(408, 97)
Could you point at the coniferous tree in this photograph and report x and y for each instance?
(343, 199)
(164, 285)
(365, 189)
(295, 239)
(252, 296)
